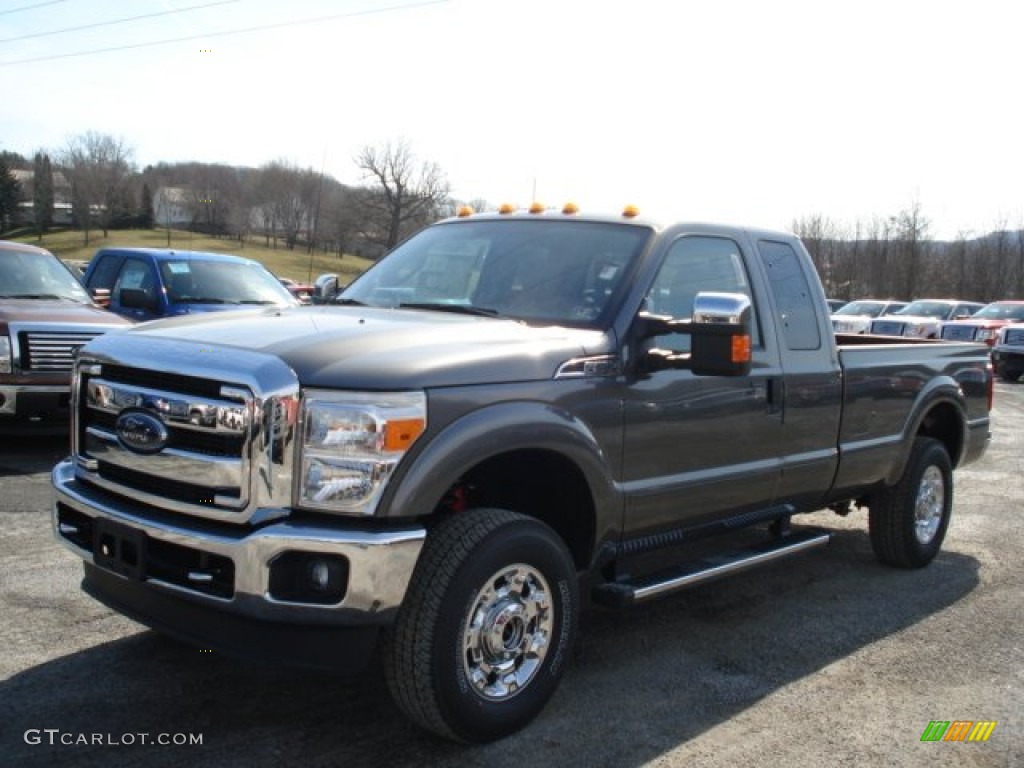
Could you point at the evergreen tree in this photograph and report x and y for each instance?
(10, 191)
(42, 194)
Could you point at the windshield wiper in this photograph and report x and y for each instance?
(348, 302)
(204, 300)
(461, 309)
(36, 296)
(256, 301)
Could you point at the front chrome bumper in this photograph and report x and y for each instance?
(380, 563)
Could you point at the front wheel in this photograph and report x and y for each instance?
(485, 631)
(908, 521)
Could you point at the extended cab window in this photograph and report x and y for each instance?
(793, 298)
(696, 264)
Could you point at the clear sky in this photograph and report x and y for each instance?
(742, 111)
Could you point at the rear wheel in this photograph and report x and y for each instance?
(908, 521)
(484, 633)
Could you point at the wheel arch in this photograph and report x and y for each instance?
(526, 457)
(941, 416)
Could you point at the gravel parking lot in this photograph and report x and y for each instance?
(827, 659)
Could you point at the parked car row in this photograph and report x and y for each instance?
(999, 324)
(856, 316)
(984, 325)
(49, 308)
(923, 318)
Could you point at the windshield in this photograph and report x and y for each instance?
(194, 281)
(938, 309)
(548, 271)
(27, 275)
(869, 308)
(1002, 312)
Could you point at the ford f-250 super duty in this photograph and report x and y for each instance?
(509, 416)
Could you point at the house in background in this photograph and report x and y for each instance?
(172, 207)
(61, 197)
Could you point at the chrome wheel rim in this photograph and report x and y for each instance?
(929, 505)
(507, 632)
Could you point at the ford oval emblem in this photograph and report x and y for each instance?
(141, 432)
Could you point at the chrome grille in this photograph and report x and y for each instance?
(51, 351)
(223, 448)
(959, 332)
(181, 471)
(887, 327)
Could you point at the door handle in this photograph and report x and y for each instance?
(769, 392)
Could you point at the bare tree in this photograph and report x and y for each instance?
(211, 192)
(99, 167)
(911, 230)
(821, 237)
(408, 193)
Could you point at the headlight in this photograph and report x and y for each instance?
(984, 334)
(351, 444)
(5, 354)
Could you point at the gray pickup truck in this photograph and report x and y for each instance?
(507, 418)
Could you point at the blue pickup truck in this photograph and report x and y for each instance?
(149, 283)
(508, 417)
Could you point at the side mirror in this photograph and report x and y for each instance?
(102, 297)
(134, 298)
(719, 336)
(324, 288)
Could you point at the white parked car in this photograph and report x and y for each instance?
(923, 318)
(856, 316)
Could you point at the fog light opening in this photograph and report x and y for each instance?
(308, 577)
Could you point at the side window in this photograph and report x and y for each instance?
(695, 264)
(136, 275)
(793, 298)
(105, 273)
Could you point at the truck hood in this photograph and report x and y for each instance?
(365, 347)
(56, 311)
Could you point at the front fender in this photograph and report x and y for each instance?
(493, 430)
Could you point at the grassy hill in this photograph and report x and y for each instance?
(297, 264)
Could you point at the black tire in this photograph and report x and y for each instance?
(482, 685)
(908, 521)
(1008, 374)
